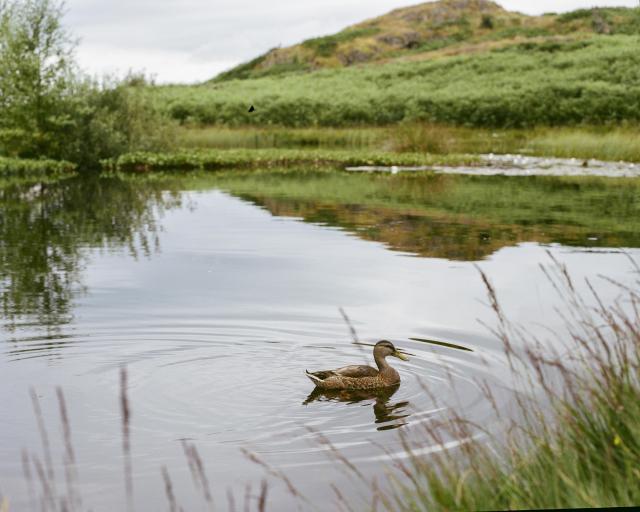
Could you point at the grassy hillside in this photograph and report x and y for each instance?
(551, 82)
(434, 29)
(462, 62)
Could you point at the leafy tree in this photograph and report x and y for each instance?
(36, 73)
(49, 109)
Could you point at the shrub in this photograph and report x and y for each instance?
(49, 110)
(487, 21)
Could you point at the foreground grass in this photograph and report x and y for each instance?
(265, 158)
(256, 137)
(22, 167)
(585, 454)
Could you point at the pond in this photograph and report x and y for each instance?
(217, 292)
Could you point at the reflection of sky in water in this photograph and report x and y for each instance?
(233, 256)
(218, 327)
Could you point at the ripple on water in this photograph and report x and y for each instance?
(243, 384)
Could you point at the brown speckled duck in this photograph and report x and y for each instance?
(362, 376)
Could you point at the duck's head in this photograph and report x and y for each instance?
(385, 348)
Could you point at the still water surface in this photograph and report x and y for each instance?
(217, 294)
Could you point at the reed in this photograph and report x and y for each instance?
(580, 450)
(611, 143)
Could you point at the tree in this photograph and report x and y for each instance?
(48, 108)
(36, 72)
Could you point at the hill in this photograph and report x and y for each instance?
(431, 30)
(462, 62)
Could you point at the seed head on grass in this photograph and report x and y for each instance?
(126, 439)
(198, 473)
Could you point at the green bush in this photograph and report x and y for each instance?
(48, 110)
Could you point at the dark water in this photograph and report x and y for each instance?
(217, 294)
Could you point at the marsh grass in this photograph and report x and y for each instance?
(603, 143)
(221, 137)
(612, 143)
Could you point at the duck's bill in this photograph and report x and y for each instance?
(400, 355)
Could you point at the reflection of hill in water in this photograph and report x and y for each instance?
(451, 237)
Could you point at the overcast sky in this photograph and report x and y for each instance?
(192, 40)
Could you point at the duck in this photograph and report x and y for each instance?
(362, 376)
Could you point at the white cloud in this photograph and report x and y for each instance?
(192, 40)
(165, 65)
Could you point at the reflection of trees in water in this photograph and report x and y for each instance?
(46, 229)
(435, 235)
(387, 415)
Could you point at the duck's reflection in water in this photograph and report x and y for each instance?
(388, 415)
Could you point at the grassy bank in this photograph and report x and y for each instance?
(585, 453)
(590, 81)
(265, 158)
(23, 167)
(613, 143)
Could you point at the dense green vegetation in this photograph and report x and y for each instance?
(584, 453)
(48, 109)
(254, 137)
(596, 81)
